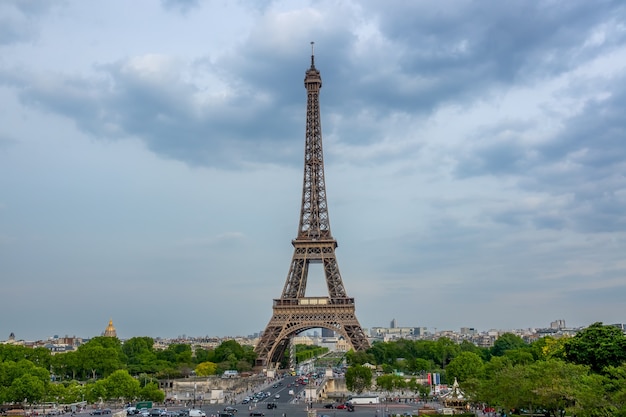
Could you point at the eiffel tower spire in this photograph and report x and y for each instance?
(294, 312)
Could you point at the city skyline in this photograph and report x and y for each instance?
(371, 332)
(151, 162)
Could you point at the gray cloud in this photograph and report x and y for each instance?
(19, 20)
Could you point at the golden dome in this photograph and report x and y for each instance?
(110, 330)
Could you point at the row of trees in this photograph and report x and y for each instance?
(104, 368)
(584, 375)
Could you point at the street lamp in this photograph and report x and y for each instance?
(194, 395)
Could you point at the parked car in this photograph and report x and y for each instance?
(197, 413)
(100, 412)
(256, 414)
(329, 406)
(230, 409)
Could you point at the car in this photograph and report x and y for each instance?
(100, 412)
(277, 396)
(230, 409)
(275, 386)
(329, 405)
(271, 405)
(256, 414)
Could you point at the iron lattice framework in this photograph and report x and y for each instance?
(293, 312)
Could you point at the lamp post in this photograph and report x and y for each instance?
(194, 395)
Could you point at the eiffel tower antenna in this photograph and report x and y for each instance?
(293, 312)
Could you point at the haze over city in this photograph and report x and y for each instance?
(151, 162)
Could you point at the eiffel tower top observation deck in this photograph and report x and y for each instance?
(293, 312)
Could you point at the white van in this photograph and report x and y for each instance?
(197, 413)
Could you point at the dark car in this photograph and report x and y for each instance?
(329, 405)
(257, 414)
(230, 409)
(271, 405)
(100, 412)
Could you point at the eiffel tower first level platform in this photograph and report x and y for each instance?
(297, 315)
(293, 312)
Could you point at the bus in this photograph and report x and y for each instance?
(364, 399)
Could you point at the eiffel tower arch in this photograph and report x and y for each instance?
(293, 312)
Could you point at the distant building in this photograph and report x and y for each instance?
(468, 331)
(557, 324)
(394, 324)
(327, 332)
(110, 330)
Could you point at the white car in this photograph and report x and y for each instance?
(277, 396)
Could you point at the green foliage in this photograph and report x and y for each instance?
(464, 366)
(445, 351)
(598, 346)
(419, 365)
(359, 358)
(306, 352)
(98, 360)
(151, 392)
(390, 383)
(520, 356)
(121, 385)
(508, 341)
(176, 353)
(358, 378)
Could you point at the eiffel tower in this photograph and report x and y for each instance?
(293, 312)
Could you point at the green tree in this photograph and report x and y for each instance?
(420, 365)
(556, 385)
(520, 356)
(507, 341)
(464, 366)
(121, 385)
(101, 356)
(141, 356)
(95, 391)
(228, 348)
(359, 358)
(151, 392)
(26, 386)
(358, 378)
(614, 385)
(390, 383)
(445, 350)
(597, 346)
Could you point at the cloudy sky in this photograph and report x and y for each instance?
(151, 162)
